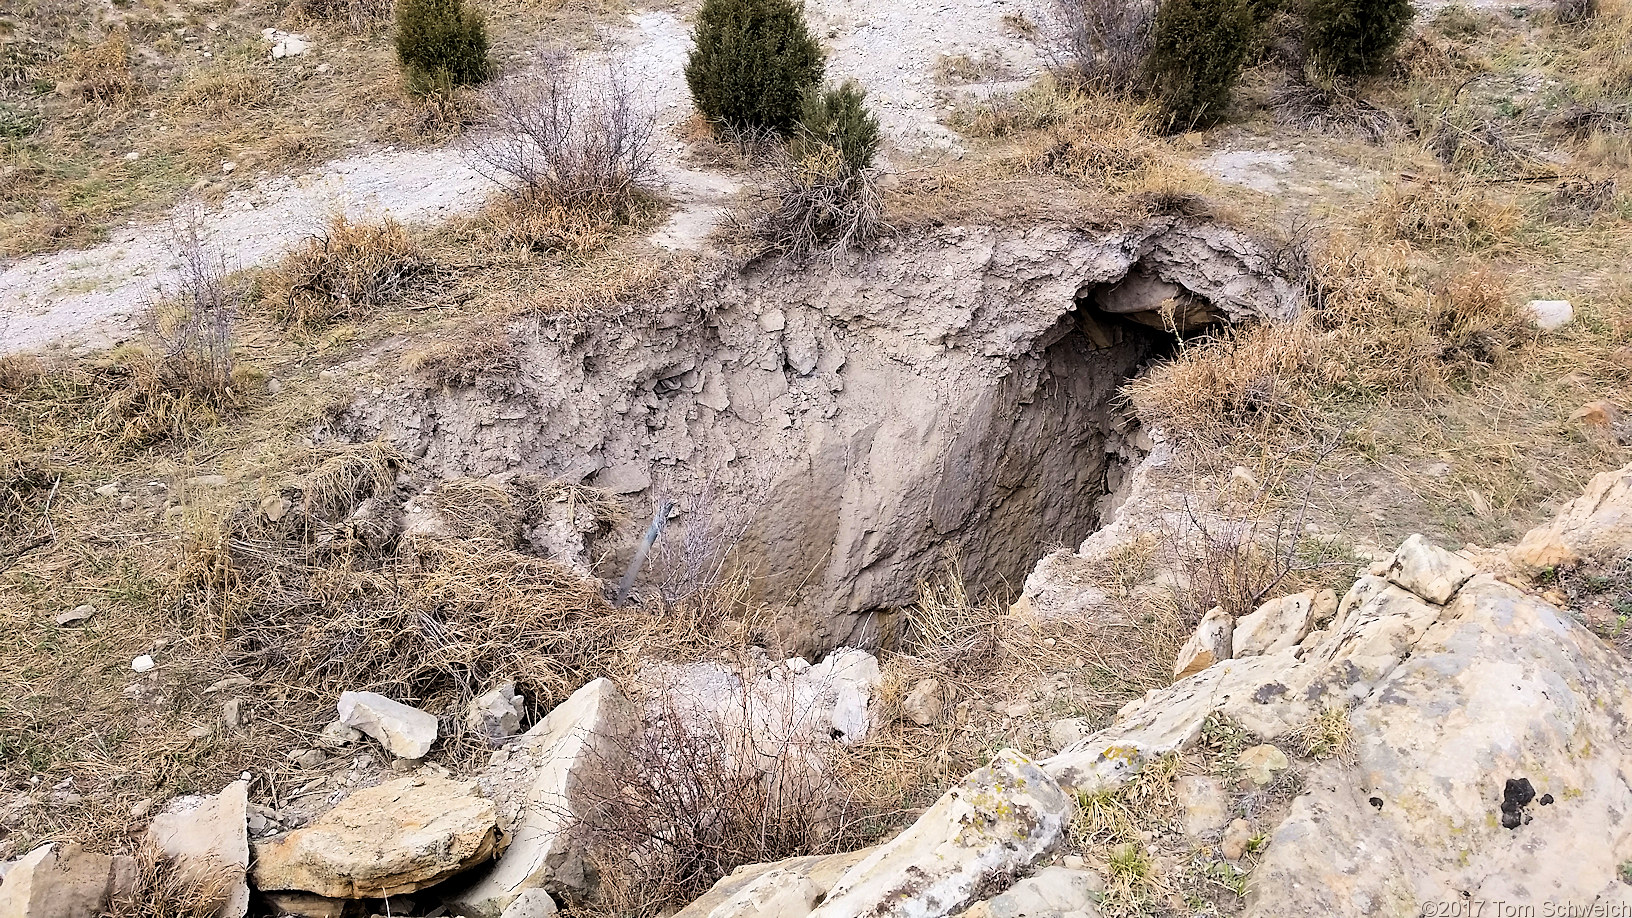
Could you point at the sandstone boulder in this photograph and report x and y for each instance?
(997, 821)
(209, 836)
(1427, 570)
(1210, 644)
(1595, 526)
(63, 880)
(496, 713)
(746, 892)
(1274, 626)
(1053, 892)
(390, 840)
(1492, 762)
(405, 732)
(536, 782)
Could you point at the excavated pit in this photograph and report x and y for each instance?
(950, 400)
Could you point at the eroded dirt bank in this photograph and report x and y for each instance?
(949, 399)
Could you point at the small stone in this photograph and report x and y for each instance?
(1427, 570)
(273, 385)
(1236, 840)
(201, 731)
(337, 735)
(496, 714)
(773, 320)
(1064, 732)
(1016, 710)
(232, 712)
(924, 704)
(228, 165)
(228, 684)
(75, 615)
(1260, 763)
(132, 156)
(307, 758)
(1550, 314)
(274, 507)
(141, 808)
(405, 731)
(1206, 807)
(143, 663)
(108, 490)
(1597, 414)
(1210, 644)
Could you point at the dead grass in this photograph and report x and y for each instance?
(164, 889)
(1454, 212)
(345, 272)
(101, 72)
(463, 361)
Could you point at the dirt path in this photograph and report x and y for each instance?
(91, 298)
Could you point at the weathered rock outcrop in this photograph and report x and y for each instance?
(536, 781)
(1596, 526)
(949, 397)
(209, 837)
(996, 822)
(63, 880)
(399, 837)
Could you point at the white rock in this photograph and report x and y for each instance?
(75, 615)
(1549, 314)
(496, 713)
(143, 664)
(108, 490)
(1205, 805)
(1427, 570)
(63, 880)
(208, 837)
(999, 820)
(1274, 626)
(336, 735)
(532, 903)
(1597, 526)
(1053, 892)
(406, 732)
(1210, 644)
(924, 704)
(1064, 732)
(535, 781)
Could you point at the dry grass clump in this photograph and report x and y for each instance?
(360, 16)
(221, 88)
(460, 361)
(344, 272)
(1370, 331)
(1453, 212)
(165, 889)
(1102, 141)
(530, 226)
(101, 72)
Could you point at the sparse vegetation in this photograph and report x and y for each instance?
(348, 270)
(568, 138)
(752, 63)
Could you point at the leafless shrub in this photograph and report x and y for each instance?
(815, 205)
(1580, 197)
(693, 558)
(1575, 12)
(695, 793)
(1246, 543)
(569, 135)
(191, 324)
(1101, 44)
